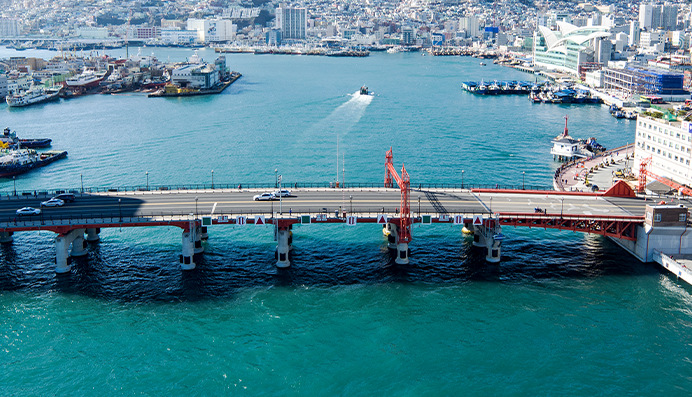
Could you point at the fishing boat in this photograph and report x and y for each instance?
(10, 139)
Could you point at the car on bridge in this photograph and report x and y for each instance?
(28, 211)
(66, 197)
(282, 193)
(54, 202)
(264, 197)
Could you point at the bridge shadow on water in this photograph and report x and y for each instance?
(152, 273)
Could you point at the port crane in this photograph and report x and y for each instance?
(644, 173)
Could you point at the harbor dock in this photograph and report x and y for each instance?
(174, 91)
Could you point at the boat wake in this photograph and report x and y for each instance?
(322, 136)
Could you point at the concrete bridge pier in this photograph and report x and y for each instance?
(62, 249)
(78, 243)
(479, 236)
(187, 260)
(391, 231)
(198, 239)
(204, 233)
(62, 243)
(283, 246)
(93, 234)
(489, 238)
(6, 237)
(401, 254)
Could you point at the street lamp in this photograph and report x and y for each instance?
(81, 180)
(562, 206)
(491, 204)
(212, 179)
(14, 180)
(462, 179)
(276, 178)
(147, 174)
(351, 199)
(120, 209)
(196, 212)
(419, 204)
(523, 175)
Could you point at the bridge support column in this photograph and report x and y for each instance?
(62, 243)
(489, 238)
(391, 231)
(198, 240)
(6, 237)
(78, 243)
(93, 234)
(283, 247)
(204, 233)
(479, 236)
(187, 260)
(401, 254)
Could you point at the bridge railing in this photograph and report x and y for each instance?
(46, 220)
(47, 193)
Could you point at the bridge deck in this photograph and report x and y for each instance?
(142, 207)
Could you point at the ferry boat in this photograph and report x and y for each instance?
(19, 161)
(9, 138)
(87, 79)
(32, 96)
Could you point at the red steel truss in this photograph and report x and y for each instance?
(644, 172)
(622, 227)
(404, 183)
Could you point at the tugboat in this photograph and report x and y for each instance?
(10, 139)
(19, 161)
(364, 90)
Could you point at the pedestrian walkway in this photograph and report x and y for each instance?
(572, 176)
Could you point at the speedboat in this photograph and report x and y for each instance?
(363, 90)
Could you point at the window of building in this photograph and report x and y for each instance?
(658, 151)
(657, 217)
(677, 136)
(682, 217)
(676, 158)
(648, 147)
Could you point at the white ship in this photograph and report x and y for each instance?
(88, 78)
(32, 96)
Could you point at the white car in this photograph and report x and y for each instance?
(264, 197)
(54, 202)
(282, 193)
(28, 211)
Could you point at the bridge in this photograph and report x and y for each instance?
(480, 211)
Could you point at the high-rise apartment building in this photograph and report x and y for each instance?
(293, 22)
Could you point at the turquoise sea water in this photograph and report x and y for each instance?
(563, 314)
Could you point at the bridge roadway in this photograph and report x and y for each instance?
(363, 203)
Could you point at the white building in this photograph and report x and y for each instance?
(92, 32)
(201, 76)
(3, 85)
(177, 36)
(633, 38)
(669, 144)
(293, 22)
(649, 39)
(471, 25)
(9, 27)
(212, 30)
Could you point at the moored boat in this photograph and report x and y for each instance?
(19, 161)
(33, 96)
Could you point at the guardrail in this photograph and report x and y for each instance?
(244, 186)
(46, 220)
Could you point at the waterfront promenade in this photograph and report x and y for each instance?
(573, 176)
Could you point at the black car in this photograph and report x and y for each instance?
(66, 197)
